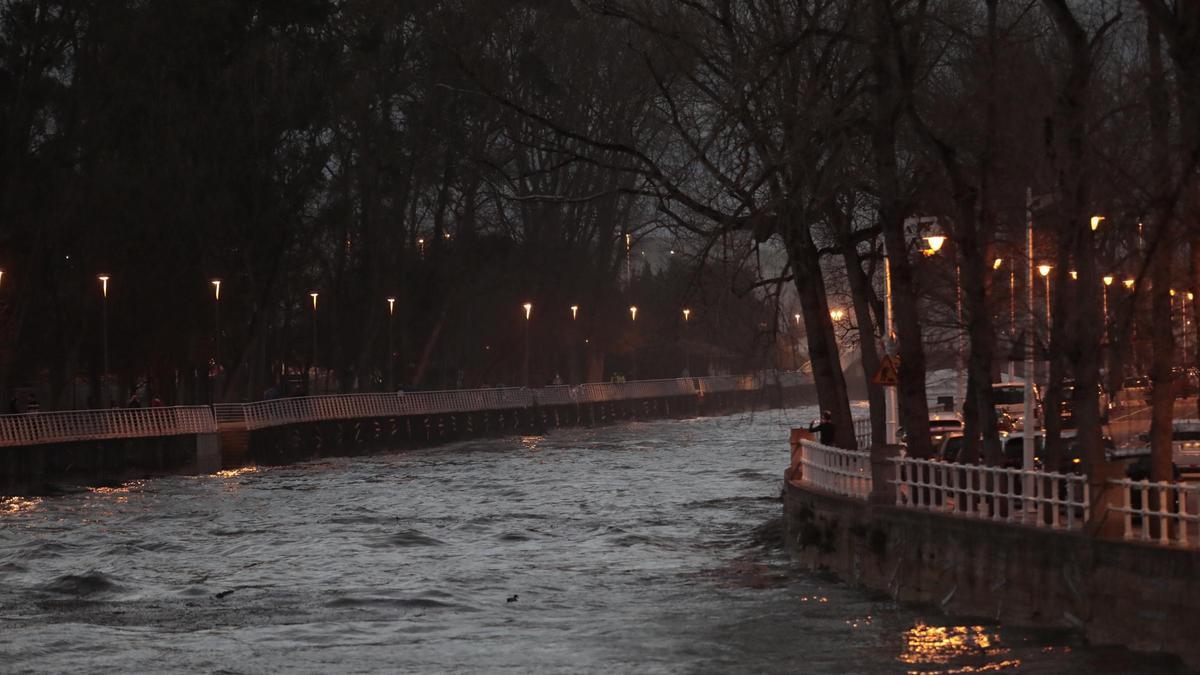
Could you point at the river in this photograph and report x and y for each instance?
(637, 548)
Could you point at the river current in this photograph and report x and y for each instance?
(638, 548)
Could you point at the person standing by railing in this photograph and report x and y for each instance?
(825, 429)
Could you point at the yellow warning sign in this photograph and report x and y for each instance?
(888, 374)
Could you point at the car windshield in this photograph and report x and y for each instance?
(944, 424)
(1008, 395)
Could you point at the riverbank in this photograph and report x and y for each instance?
(1140, 596)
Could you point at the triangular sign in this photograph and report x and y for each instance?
(888, 374)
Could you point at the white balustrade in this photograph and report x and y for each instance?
(843, 472)
(84, 425)
(862, 433)
(1036, 498)
(1165, 513)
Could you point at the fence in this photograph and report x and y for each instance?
(1037, 498)
(843, 472)
(1166, 513)
(862, 432)
(85, 425)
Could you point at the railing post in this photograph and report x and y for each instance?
(883, 474)
(795, 471)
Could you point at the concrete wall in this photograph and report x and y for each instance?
(1115, 592)
(50, 467)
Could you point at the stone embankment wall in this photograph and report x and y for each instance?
(1115, 592)
(51, 467)
(303, 441)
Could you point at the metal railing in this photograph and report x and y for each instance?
(84, 425)
(862, 433)
(1163, 513)
(843, 472)
(1037, 498)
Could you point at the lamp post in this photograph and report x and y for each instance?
(528, 314)
(687, 357)
(391, 357)
(216, 284)
(1012, 308)
(633, 341)
(935, 245)
(312, 371)
(1044, 271)
(104, 327)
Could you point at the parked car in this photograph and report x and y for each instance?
(1135, 391)
(940, 424)
(1009, 398)
(1067, 405)
(1014, 448)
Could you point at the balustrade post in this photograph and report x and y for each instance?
(883, 473)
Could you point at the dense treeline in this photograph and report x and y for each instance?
(288, 148)
(465, 157)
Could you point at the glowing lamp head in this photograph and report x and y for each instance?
(314, 295)
(836, 314)
(935, 242)
(632, 313)
(528, 310)
(687, 313)
(997, 263)
(391, 306)
(104, 284)
(574, 312)
(1128, 283)
(1074, 275)
(1108, 279)
(1172, 292)
(1191, 295)
(1044, 270)
(1096, 222)
(797, 319)
(216, 284)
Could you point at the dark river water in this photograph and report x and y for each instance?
(635, 549)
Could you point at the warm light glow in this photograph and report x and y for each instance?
(2, 272)
(1191, 295)
(104, 284)
(686, 313)
(314, 298)
(628, 241)
(998, 262)
(1074, 275)
(216, 283)
(632, 313)
(935, 242)
(1128, 283)
(797, 319)
(836, 314)
(1108, 279)
(446, 235)
(574, 312)
(1044, 270)
(1096, 222)
(421, 242)
(528, 309)
(391, 306)
(1172, 292)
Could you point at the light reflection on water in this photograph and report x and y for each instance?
(623, 549)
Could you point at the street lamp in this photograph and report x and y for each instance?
(633, 373)
(104, 322)
(528, 313)
(1096, 222)
(391, 361)
(574, 312)
(216, 284)
(313, 369)
(935, 243)
(1129, 283)
(1107, 279)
